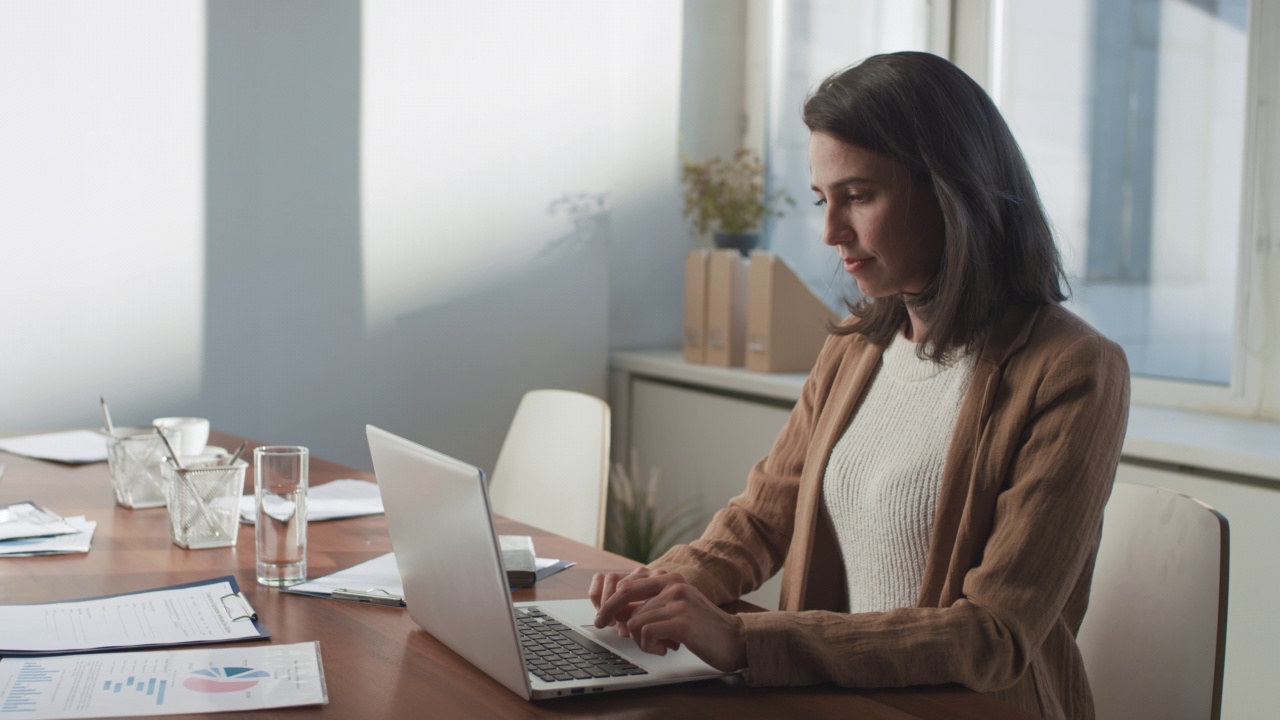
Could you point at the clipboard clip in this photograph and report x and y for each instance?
(238, 607)
(376, 596)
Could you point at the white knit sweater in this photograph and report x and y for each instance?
(881, 483)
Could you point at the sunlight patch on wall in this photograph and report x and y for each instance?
(101, 206)
(473, 123)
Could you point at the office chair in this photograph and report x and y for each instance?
(1155, 633)
(553, 469)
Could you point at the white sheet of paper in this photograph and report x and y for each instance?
(331, 501)
(162, 682)
(27, 520)
(172, 616)
(378, 574)
(73, 446)
(76, 542)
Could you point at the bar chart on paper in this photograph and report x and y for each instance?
(129, 682)
(153, 686)
(32, 683)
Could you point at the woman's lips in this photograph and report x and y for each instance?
(853, 265)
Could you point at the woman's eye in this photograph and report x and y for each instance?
(819, 202)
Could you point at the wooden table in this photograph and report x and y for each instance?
(377, 662)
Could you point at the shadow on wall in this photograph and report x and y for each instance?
(289, 358)
(451, 375)
(284, 328)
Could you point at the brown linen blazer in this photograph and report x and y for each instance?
(1015, 535)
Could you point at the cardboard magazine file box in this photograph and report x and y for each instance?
(695, 305)
(726, 309)
(786, 320)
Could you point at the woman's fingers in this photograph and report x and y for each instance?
(621, 593)
(596, 591)
(681, 615)
(603, 586)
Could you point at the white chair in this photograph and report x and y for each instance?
(553, 469)
(1154, 635)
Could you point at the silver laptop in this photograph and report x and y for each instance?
(448, 555)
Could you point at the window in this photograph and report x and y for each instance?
(1148, 130)
(1132, 116)
(809, 40)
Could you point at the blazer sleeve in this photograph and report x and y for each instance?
(747, 541)
(1043, 532)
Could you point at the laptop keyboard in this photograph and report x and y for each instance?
(556, 653)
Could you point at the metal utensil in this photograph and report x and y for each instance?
(168, 445)
(106, 415)
(236, 455)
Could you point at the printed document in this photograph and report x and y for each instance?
(28, 520)
(208, 612)
(76, 542)
(74, 447)
(162, 682)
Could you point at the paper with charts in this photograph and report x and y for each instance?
(160, 682)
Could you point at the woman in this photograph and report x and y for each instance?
(935, 499)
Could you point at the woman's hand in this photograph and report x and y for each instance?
(662, 612)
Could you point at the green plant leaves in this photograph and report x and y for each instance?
(728, 195)
(635, 529)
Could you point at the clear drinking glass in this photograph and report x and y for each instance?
(280, 490)
(204, 502)
(134, 458)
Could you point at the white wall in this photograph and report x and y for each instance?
(648, 237)
(295, 217)
(101, 204)
(285, 351)
(474, 123)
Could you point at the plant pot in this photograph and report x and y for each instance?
(742, 242)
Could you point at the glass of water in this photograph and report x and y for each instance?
(280, 489)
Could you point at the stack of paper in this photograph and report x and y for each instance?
(28, 529)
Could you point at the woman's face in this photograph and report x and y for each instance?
(888, 231)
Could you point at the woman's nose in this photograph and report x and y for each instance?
(834, 231)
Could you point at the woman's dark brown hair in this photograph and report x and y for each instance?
(998, 248)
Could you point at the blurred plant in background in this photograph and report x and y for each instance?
(728, 196)
(635, 529)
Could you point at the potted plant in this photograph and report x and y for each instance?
(727, 197)
(636, 530)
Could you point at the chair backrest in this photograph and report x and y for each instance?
(1154, 635)
(553, 469)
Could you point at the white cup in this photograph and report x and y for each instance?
(192, 433)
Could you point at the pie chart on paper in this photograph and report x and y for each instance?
(224, 679)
